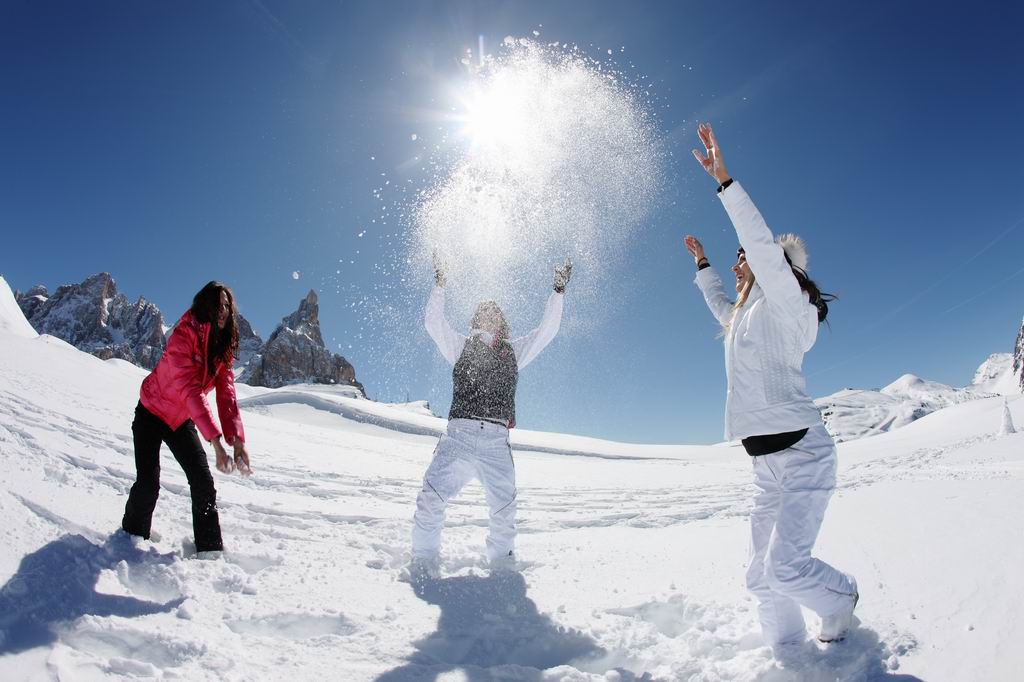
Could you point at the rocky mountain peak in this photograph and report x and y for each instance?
(1018, 357)
(306, 319)
(249, 342)
(295, 353)
(30, 301)
(94, 317)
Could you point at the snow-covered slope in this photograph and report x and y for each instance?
(851, 413)
(632, 555)
(996, 375)
(856, 413)
(12, 322)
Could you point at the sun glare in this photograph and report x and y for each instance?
(495, 114)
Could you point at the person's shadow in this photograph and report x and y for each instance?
(57, 583)
(862, 655)
(488, 622)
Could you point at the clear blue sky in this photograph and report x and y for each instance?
(172, 143)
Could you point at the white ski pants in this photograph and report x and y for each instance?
(793, 487)
(470, 449)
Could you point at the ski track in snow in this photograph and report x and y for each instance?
(312, 584)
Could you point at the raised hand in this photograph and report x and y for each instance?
(711, 159)
(563, 273)
(440, 270)
(695, 248)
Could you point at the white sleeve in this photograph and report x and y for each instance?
(711, 286)
(529, 347)
(448, 341)
(767, 260)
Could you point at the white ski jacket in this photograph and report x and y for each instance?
(526, 348)
(765, 344)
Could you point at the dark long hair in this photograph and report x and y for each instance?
(223, 343)
(819, 298)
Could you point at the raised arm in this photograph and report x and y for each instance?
(766, 258)
(711, 286)
(709, 282)
(528, 347)
(448, 341)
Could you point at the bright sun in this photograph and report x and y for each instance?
(495, 114)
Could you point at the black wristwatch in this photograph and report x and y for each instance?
(724, 185)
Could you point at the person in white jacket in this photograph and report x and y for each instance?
(486, 366)
(767, 331)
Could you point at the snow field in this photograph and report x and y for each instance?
(632, 556)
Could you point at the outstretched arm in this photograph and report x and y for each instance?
(709, 282)
(767, 260)
(448, 341)
(528, 347)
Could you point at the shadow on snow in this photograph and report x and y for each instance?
(861, 656)
(487, 623)
(57, 584)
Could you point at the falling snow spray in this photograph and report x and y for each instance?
(557, 157)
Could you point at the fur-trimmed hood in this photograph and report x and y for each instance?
(796, 250)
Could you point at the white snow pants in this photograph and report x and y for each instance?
(793, 488)
(470, 449)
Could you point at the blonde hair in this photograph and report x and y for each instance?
(748, 286)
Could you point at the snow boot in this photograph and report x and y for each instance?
(835, 627)
(423, 569)
(505, 564)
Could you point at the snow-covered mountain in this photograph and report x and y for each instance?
(632, 556)
(851, 413)
(296, 354)
(249, 342)
(94, 317)
(997, 375)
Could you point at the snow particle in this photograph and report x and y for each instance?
(295, 274)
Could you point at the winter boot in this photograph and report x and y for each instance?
(423, 569)
(505, 564)
(834, 627)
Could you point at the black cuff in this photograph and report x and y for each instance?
(703, 265)
(724, 185)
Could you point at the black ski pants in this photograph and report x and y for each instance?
(149, 432)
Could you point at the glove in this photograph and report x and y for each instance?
(440, 271)
(562, 274)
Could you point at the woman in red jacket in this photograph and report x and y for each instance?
(172, 403)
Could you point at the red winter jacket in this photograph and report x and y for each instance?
(176, 390)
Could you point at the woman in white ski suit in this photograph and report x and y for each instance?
(476, 445)
(767, 332)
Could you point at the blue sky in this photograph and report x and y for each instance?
(174, 143)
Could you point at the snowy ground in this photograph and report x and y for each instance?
(633, 555)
